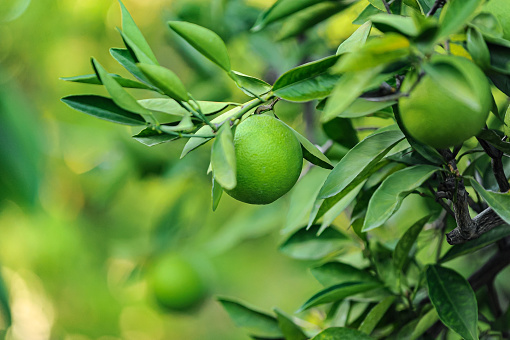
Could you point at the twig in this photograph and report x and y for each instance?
(387, 6)
(497, 164)
(437, 5)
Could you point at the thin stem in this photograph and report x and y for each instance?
(199, 115)
(162, 128)
(437, 5)
(387, 6)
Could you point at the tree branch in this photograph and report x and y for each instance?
(437, 5)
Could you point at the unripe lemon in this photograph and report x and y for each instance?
(175, 283)
(268, 159)
(434, 116)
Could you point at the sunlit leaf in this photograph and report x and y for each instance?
(375, 315)
(356, 40)
(389, 196)
(204, 41)
(223, 158)
(405, 244)
(395, 23)
(366, 14)
(93, 79)
(307, 82)
(151, 137)
(498, 201)
(362, 107)
(124, 58)
(332, 273)
(306, 245)
(289, 329)
(456, 14)
(166, 80)
(171, 107)
(454, 300)
(311, 153)
(103, 108)
(250, 85)
(255, 323)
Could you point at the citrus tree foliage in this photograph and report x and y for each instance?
(395, 289)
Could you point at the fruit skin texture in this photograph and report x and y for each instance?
(433, 115)
(501, 10)
(268, 160)
(175, 283)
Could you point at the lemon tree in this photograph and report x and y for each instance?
(411, 158)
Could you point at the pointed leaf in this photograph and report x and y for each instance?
(120, 96)
(375, 315)
(456, 14)
(366, 14)
(339, 292)
(250, 85)
(356, 40)
(93, 79)
(333, 273)
(166, 81)
(499, 202)
(339, 207)
(150, 137)
(307, 82)
(289, 329)
(223, 158)
(254, 322)
(132, 31)
(405, 244)
(454, 300)
(171, 107)
(388, 197)
(103, 108)
(311, 153)
(124, 58)
(395, 23)
(216, 192)
(477, 48)
(495, 138)
(204, 41)
(359, 160)
(306, 245)
(362, 107)
(337, 333)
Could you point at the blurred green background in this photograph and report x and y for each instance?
(83, 206)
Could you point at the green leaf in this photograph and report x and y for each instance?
(304, 244)
(289, 329)
(456, 14)
(223, 158)
(359, 160)
(405, 244)
(103, 108)
(478, 48)
(307, 82)
(171, 107)
(454, 300)
(185, 125)
(311, 153)
(132, 32)
(216, 192)
(498, 201)
(375, 315)
(388, 197)
(204, 41)
(340, 333)
(366, 14)
(250, 85)
(124, 58)
(488, 238)
(93, 79)
(347, 89)
(302, 198)
(378, 4)
(120, 96)
(339, 292)
(362, 107)
(151, 137)
(333, 273)
(255, 323)
(377, 52)
(309, 17)
(356, 40)
(495, 138)
(4, 303)
(395, 23)
(427, 321)
(165, 80)
(280, 10)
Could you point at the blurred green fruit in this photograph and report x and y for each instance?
(435, 116)
(501, 10)
(268, 159)
(175, 283)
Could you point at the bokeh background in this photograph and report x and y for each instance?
(83, 206)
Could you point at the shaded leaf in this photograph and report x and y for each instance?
(307, 82)
(132, 31)
(223, 158)
(477, 48)
(339, 292)
(359, 160)
(250, 85)
(388, 197)
(498, 201)
(171, 107)
(366, 14)
(310, 152)
(454, 300)
(103, 108)
(204, 41)
(495, 138)
(93, 79)
(255, 323)
(306, 245)
(124, 58)
(289, 329)
(165, 80)
(151, 137)
(333, 273)
(356, 40)
(362, 107)
(456, 14)
(216, 192)
(405, 244)
(375, 315)
(337, 333)
(395, 23)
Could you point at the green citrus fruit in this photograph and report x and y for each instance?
(435, 116)
(175, 283)
(268, 159)
(501, 10)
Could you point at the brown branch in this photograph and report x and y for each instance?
(437, 5)
(497, 164)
